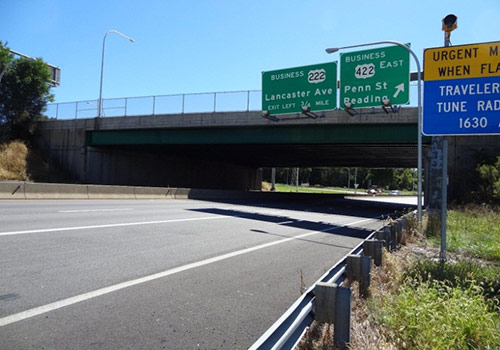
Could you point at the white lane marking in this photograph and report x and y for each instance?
(99, 292)
(58, 229)
(93, 210)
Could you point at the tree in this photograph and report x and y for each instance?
(406, 178)
(24, 93)
(489, 187)
(5, 60)
(383, 178)
(305, 175)
(317, 177)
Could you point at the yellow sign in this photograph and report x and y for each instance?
(462, 62)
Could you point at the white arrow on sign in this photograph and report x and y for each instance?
(399, 88)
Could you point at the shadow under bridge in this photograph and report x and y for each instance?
(352, 145)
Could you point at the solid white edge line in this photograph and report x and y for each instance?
(99, 292)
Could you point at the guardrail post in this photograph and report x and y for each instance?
(342, 325)
(384, 235)
(404, 219)
(358, 269)
(325, 302)
(333, 305)
(373, 249)
(399, 222)
(394, 236)
(364, 283)
(353, 267)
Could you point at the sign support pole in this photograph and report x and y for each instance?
(444, 199)
(444, 179)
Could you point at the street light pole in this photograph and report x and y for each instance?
(419, 121)
(99, 104)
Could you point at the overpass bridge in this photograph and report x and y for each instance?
(245, 138)
(227, 149)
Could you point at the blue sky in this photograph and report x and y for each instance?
(218, 45)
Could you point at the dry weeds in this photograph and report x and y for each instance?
(266, 186)
(13, 161)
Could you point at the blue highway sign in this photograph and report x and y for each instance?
(462, 90)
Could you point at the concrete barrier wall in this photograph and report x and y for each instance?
(154, 192)
(54, 191)
(30, 190)
(12, 190)
(110, 192)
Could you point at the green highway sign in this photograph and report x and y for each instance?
(371, 76)
(289, 90)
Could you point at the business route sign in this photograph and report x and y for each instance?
(371, 76)
(288, 90)
(462, 90)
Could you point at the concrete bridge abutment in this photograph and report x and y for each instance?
(66, 143)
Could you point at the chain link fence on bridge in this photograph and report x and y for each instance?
(232, 101)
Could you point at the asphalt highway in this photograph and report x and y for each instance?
(162, 274)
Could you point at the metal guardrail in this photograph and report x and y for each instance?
(287, 331)
(229, 101)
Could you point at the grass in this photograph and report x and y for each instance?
(307, 189)
(432, 315)
(448, 305)
(464, 274)
(474, 231)
(330, 190)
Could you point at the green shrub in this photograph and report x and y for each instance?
(489, 186)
